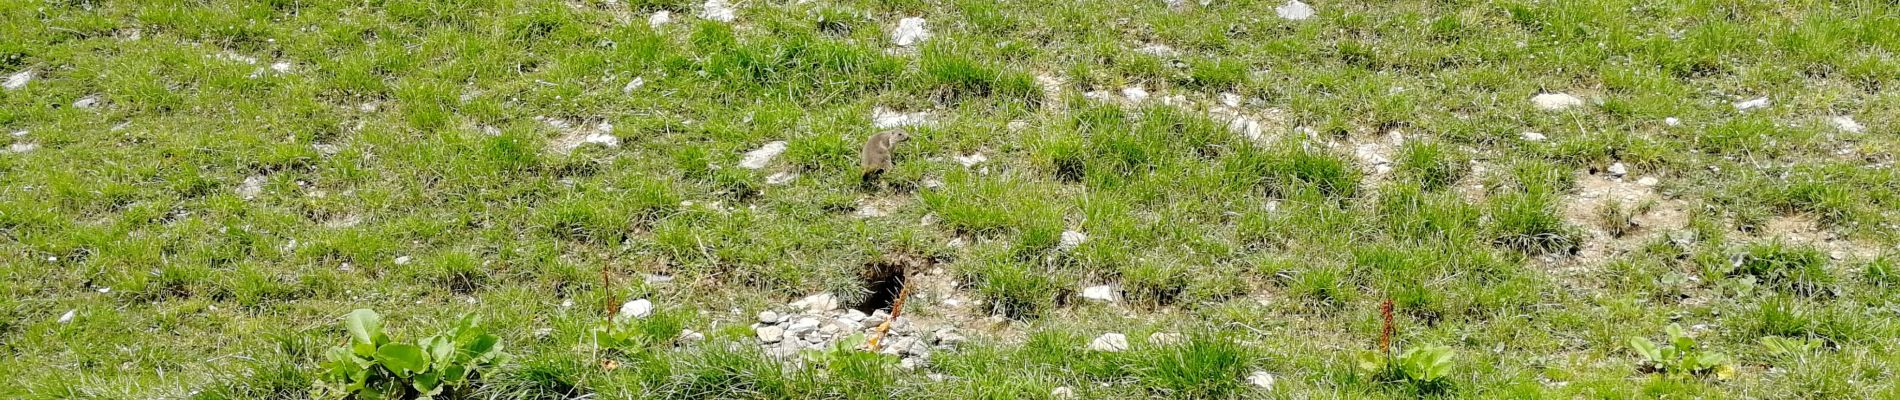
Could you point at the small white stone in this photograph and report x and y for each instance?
(1847, 124)
(1102, 293)
(105, 290)
(771, 334)
(19, 79)
(1294, 10)
(68, 316)
(802, 325)
(633, 85)
(885, 118)
(718, 10)
(691, 336)
(1135, 94)
(1016, 125)
(1165, 338)
(1230, 99)
(1062, 392)
(19, 133)
(1672, 121)
(768, 317)
(853, 316)
(565, 303)
(1647, 181)
(1618, 169)
(86, 102)
(972, 159)
(1532, 136)
(817, 303)
(22, 147)
(1071, 239)
(756, 159)
(1555, 101)
(1751, 104)
(604, 139)
(1109, 342)
(252, 187)
(404, 260)
(1261, 379)
(637, 309)
(910, 31)
(660, 19)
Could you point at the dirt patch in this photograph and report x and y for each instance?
(1616, 216)
(1805, 230)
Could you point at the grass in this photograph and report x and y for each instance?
(253, 170)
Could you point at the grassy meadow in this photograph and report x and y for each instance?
(194, 193)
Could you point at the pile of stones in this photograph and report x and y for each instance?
(817, 322)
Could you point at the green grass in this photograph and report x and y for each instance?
(418, 131)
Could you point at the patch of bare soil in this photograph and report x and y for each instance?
(1616, 216)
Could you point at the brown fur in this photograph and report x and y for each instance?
(876, 157)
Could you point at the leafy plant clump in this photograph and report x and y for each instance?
(371, 366)
(1681, 357)
(1427, 367)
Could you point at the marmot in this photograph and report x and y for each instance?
(876, 157)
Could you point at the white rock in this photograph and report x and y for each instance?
(1618, 169)
(565, 303)
(972, 159)
(949, 337)
(690, 336)
(1102, 293)
(1532, 136)
(853, 316)
(1555, 101)
(1016, 125)
(817, 303)
(1071, 239)
(1109, 342)
(633, 85)
(1062, 392)
(86, 102)
(1261, 379)
(19, 133)
(756, 159)
(640, 308)
(1294, 10)
(1847, 124)
(771, 334)
(19, 79)
(604, 139)
(1647, 181)
(910, 31)
(22, 147)
(1751, 104)
(656, 278)
(717, 10)
(281, 67)
(1672, 121)
(1135, 94)
(1230, 99)
(404, 260)
(1246, 126)
(68, 316)
(252, 186)
(885, 118)
(660, 19)
(1165, 339)
(768, 317)
(781, 178)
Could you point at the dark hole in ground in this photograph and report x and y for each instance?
(883, 280)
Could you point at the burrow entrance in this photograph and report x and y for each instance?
(884, 280)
